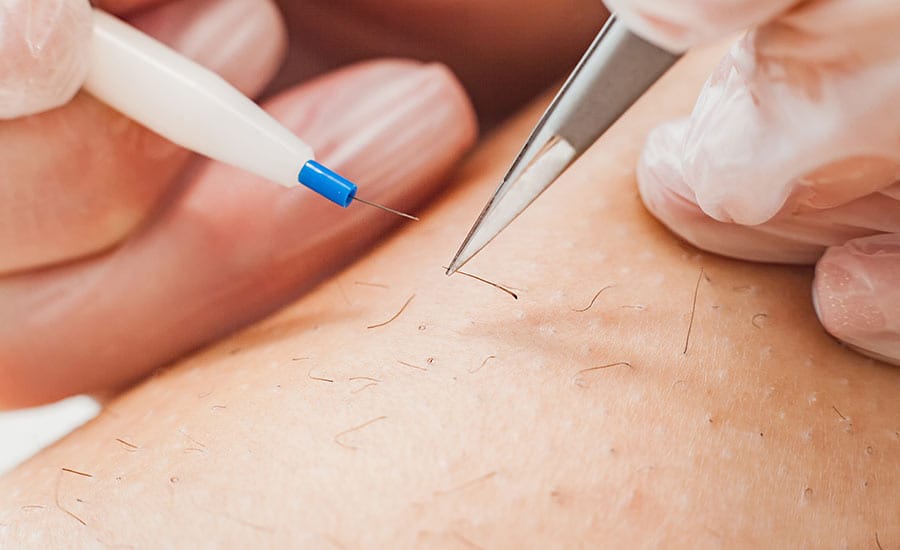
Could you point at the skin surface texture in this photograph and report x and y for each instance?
(473, 420)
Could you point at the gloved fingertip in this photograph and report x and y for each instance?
(44, 56)
(856, 297)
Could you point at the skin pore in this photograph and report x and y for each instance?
(476, 420)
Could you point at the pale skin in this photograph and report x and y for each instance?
(307, 429)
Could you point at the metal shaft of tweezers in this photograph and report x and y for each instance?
(614, 73)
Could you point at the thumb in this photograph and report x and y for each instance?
(857, 295)
(43, 53)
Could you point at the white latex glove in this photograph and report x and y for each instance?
(792, 153)
(43, 53)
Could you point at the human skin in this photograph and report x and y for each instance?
(765, 431)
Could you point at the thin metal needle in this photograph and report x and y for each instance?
(386, 209)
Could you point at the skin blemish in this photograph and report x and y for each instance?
(337, 438)
(594, 299)
(422, 327)
(394, 317)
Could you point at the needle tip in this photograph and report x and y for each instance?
(386, 209)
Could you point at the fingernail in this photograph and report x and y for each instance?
(386, 122)
(856, 297)
(242, 41)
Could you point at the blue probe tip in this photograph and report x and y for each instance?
(327, 183)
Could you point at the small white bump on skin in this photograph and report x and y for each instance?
(811, 398)
(519, 314)
(547, 331)
(635, 396)
(598, 257)
(567, 245)
(806, 435)
(843, 382)
(538, 363)
(781, 415)
(556, 297)
(726, 453)
(766, 352)
(657, 279)
(647, 256)
(808, 362)
(624, 270)
(721, 374)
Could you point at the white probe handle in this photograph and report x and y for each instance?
(188, 104)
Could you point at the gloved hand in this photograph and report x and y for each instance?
(44, 49)
(792, 153)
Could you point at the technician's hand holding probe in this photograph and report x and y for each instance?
(193, 107)
(790, 156)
